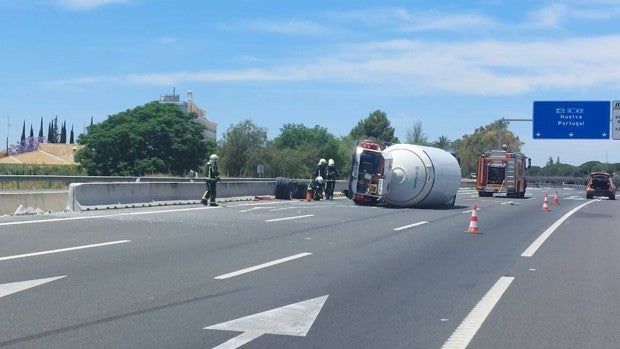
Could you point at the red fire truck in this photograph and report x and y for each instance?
(502, 172)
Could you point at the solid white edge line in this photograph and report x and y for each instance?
(112, 215)
(62, 250)
(287, 218)
(466, 331)
(411, 225)
(261, 266)
(529, 252)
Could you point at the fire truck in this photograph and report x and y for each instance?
(502, 172)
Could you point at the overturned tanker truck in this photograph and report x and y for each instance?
(403, 175)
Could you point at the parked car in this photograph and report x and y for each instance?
(600, 184)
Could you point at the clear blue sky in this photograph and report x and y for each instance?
(454, 66)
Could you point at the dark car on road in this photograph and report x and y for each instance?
(600, 184)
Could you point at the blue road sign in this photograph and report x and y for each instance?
(571, 120)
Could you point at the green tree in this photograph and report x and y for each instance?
(592, 166)
(149, 139)
(470, 146)
(299, 149)
(53, 134)
(63, 133)
(415, 135)
(376, 127)
(442, 142)
(23, 138)
(41, 130)
(242, 149)
(558, 169)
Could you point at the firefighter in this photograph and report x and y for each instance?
(318, 177)
(331, 173)
(320, 169)
(212, 176)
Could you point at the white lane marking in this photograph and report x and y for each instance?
(466, 331)
(262, 266)
(288, 218)
(410, 225)
(62, 250)
(105, 216)
(529, 252)
(282, 209)
(14, 287)
(252, 209)
(291, 320)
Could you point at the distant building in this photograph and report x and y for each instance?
(189, 106)
(47, 154)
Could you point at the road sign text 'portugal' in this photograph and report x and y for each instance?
(571, 119)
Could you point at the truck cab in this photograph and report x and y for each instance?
(371, 170)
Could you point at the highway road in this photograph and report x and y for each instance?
(328, 274)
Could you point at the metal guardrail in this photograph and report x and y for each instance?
(66, 180)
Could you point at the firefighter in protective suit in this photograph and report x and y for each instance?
(212, 176)
(331, 173)
(317, 184)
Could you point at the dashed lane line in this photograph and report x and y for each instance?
(262, 266)
(288, 218)
(25, 255)
(410, 226)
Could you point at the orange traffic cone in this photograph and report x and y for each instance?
(473, 221)
(556, 201)
(308, 195)
(545, 206)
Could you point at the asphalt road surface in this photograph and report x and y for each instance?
(328, 274)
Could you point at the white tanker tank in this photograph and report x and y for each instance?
(422, 176)
(405, 175)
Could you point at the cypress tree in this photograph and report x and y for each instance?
(49, 133)
(63, 133)
(41, 130)
(23, 139)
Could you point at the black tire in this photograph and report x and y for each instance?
(316, 195)
(283, 188)
(299, 190)
(589, 196)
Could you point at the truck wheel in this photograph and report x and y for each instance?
(299, 189)
(283, 188)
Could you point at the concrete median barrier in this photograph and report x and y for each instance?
(46, 201)
(95, 196)
(108, 195)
